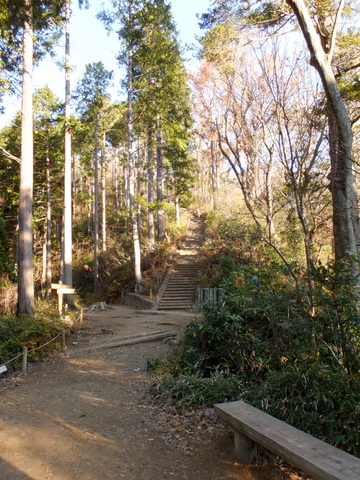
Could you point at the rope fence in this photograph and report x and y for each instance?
(26, 351)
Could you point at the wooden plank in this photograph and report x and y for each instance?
(313, 456)
(133, 340)
(65, 291)
(57, 286)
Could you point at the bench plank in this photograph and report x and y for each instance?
(313, 456)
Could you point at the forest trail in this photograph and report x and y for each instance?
(179, 291)
(86, 414)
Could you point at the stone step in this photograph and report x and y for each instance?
(185, 301)
(169, 300)
(183, 275)
(173, 290)
(176, 293)
(179, 308)
(180, 298)
(181, 281)
(179, 292)
(180, 288)
(176, 306)
(184, 271)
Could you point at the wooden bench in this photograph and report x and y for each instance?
(316, 458)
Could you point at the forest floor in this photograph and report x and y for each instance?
(86, 414)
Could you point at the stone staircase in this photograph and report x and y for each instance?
(180, 286)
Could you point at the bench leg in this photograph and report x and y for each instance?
(243, 447)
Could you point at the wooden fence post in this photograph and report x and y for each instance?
(24, 360)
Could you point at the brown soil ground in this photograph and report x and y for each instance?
(86, 414)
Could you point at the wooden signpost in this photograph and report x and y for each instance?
(61, 291)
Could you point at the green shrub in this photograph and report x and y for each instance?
(337, 316)
(8, 295)
(300, 369)
(186, 391)
(7, 264)
(290, 350)
(19, 332)
(321, 401)
(250, 333)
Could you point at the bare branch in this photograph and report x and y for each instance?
(334, 30)
(9, 155)
(286, 263)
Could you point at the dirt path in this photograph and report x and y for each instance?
(85, 414)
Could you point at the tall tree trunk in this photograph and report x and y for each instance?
(75, 185)
(89, 203)
(116, 181)
(214, 180)
(67, 261)
(103, 198)
(160, 186)
(43, 272)
(177, 211)
(26, 301)
(131, 178)
(343, 194)
(138, 184)
(342, 180)
(126, 186)
(48, 276)
(46, 273)
(96, 208)
(150, 196)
